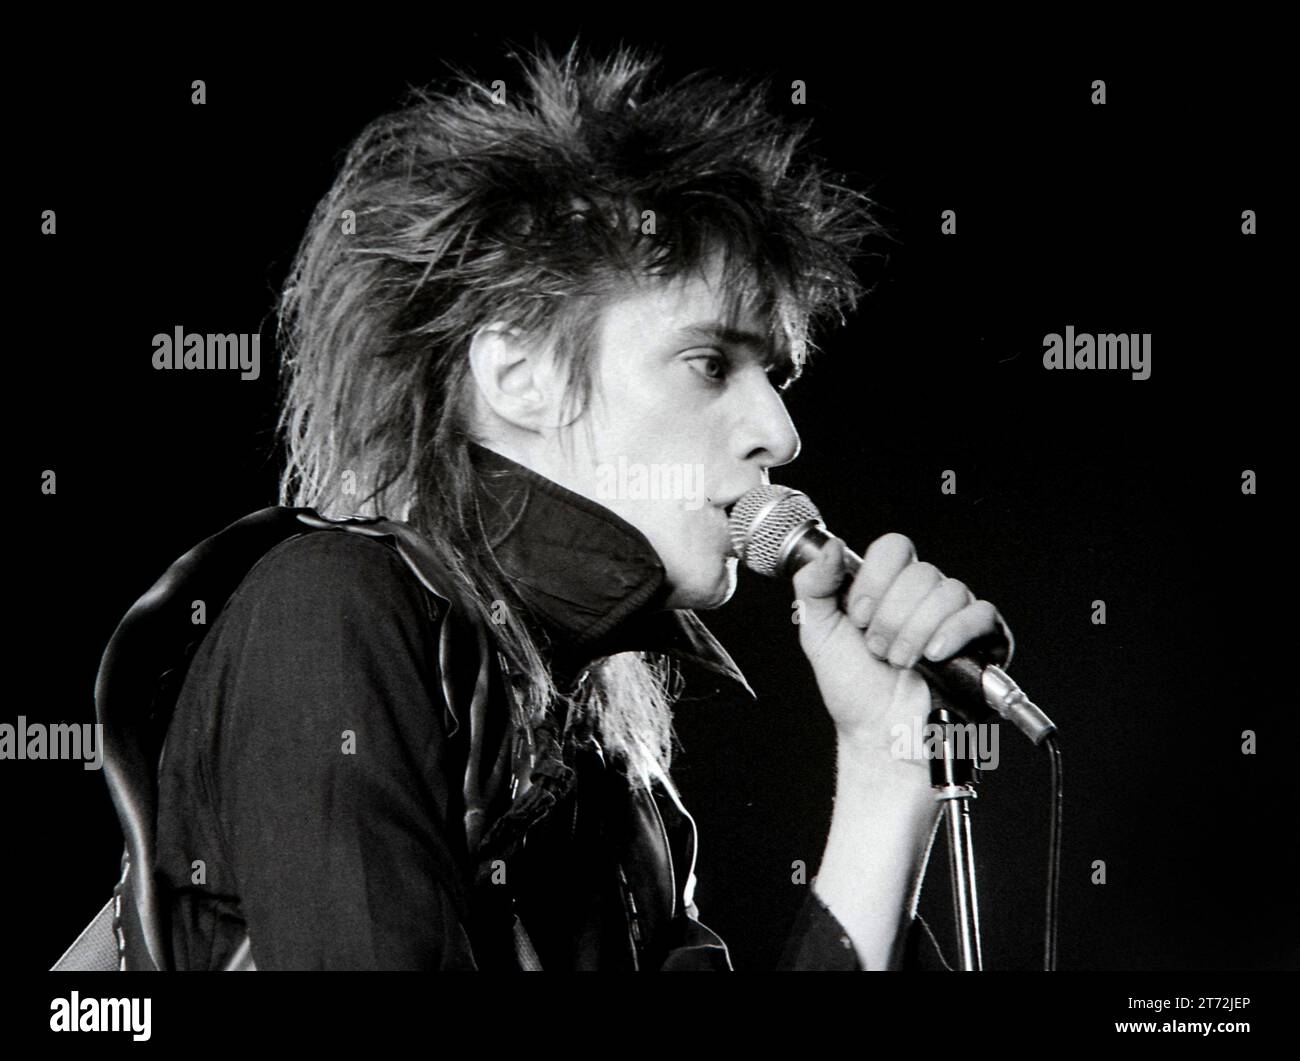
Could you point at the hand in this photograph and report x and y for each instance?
(896, 610)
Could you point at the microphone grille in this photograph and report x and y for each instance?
(761, 521)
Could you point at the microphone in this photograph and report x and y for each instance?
(777, 530)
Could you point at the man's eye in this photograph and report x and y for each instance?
(712, 367)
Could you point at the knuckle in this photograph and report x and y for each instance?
(893, 545)
(881, 628)
(897, 541)
(926, 572)
(919, 627)
(887, 621)
(955, 589)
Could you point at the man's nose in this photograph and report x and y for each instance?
(769, 434)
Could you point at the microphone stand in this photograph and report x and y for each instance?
(953, 780)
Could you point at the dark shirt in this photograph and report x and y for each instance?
(310, 792)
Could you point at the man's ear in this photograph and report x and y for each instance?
(515, 378)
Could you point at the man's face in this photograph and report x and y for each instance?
(684, 418)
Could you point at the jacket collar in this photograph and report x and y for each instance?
(591, 581)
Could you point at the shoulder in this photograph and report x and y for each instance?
(317, 586)
(317, 554)
(332, 565)
(329, 630)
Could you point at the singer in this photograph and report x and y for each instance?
(501, 300)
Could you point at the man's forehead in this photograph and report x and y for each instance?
(700, 308)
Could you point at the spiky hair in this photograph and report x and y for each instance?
(528, 206)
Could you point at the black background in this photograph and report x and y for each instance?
(1071, 486)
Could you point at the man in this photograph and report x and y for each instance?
(499, 301)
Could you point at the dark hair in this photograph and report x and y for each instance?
(470, 206)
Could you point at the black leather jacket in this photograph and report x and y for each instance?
(439, 840)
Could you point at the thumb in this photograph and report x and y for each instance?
(818, 583)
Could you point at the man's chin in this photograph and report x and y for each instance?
(703, 594)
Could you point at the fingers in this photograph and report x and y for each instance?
(901, 600)
(925, 627)
(909, 609)
(975, 620)
(885, 559)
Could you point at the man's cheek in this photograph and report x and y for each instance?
(693, 486)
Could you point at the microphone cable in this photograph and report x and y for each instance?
(1053, 856)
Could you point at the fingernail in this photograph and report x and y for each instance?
(877, 645)
(934, 650)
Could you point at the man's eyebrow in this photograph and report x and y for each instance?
(725, 335)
